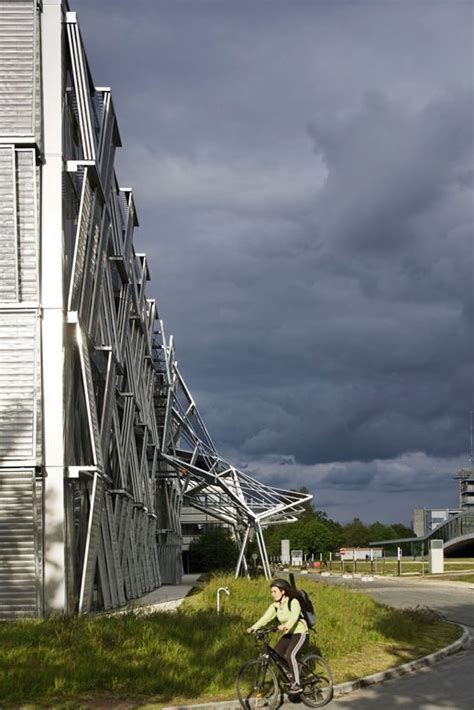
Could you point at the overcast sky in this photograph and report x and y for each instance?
(303, 172)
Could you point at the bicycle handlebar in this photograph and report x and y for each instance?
(262, 633)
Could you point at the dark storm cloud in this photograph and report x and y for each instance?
(303, 174)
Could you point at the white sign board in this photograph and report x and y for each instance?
(436, 556)
(285, 552)
(296, 558)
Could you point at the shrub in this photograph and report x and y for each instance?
(213, 550)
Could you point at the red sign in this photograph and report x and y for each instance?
(342, 551)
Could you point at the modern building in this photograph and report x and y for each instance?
(465, 478)
(85, 521)
(100, 439)
(425, 520)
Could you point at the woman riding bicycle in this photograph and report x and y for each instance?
(287, 609)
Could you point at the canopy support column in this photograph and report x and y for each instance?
(262, 550)
(242, 561)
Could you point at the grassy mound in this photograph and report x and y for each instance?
(194, 654)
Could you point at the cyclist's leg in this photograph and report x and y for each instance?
(282, 645)
(295, 645)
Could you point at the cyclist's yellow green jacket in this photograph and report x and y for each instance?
(287, 615)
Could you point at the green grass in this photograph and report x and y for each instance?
(388, 566)
(194, 654)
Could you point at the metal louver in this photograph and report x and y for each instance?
(18, 40)
(19, 553)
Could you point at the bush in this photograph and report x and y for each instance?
(213, 550)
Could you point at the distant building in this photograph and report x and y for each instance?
(425, 520)
(466, 488)
(193, 524)
(360, 553)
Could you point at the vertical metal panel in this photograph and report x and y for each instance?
(117, 223)
(18, 385)
(109, 579)
(103, 573)
(19, 559)
(107, 409)
(106, 149)
(80, 246)
(133, 556)
(129, 225)
(28, 221)
(18, 48)
(90, 260)
(92, 544)
(81, 84)
(91, 404)
(8, 226)
(122, 473)
(117, 569)
(109, 315)
(100, 272)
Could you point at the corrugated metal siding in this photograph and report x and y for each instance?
(8, 236)
(18, 384)
(27, 217)
(17, 66)
(37, 97)
(19, 559)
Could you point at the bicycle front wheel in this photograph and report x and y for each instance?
(316, 681)
(257, 685)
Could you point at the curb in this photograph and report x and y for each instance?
(344, 688)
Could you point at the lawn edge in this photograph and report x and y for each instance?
(462, 642)
(349, 686)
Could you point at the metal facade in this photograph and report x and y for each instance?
(100, 439)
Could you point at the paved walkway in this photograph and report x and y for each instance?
(170, 592)
(165, 598)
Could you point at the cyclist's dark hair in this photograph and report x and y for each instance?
(282, 584)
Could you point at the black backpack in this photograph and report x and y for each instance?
(307, 609)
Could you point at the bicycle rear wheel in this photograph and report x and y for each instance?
(257, 685)
(316, 681)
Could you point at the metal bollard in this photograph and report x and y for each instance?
(221, 589)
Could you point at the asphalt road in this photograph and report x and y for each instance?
(448, 684)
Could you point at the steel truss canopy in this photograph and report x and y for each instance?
(207, 481)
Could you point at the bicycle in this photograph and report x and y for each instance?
(261, 682)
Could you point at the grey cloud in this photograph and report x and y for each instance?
(322, 302)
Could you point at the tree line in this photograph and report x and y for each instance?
(314, 533)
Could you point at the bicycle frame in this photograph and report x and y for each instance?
(278, 661)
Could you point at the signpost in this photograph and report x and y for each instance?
(342, 553)
(285, 553)
(399, 561)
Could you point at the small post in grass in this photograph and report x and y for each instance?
(221, 589)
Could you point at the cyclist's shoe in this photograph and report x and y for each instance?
(294, 689)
